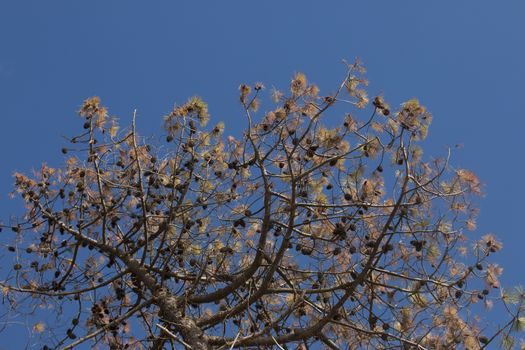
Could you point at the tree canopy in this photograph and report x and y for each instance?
(323, 225)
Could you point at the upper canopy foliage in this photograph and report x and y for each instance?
(295, 233)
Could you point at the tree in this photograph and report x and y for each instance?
(293, 235)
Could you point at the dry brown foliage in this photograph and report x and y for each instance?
(297, 234)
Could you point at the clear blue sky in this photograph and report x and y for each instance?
(464, 60)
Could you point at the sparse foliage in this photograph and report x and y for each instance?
(310, 229)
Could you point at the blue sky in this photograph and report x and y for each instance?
(464, 60)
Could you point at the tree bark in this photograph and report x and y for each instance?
(171, 312)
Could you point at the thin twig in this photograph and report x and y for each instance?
(106, 327)
(171, 334)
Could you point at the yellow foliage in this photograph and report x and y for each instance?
(39, 327)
